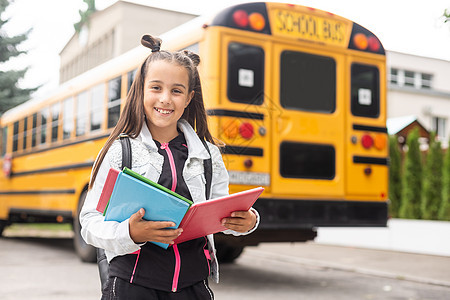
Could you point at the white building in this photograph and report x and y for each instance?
(420, 86)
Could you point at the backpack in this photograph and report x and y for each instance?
(102, 262)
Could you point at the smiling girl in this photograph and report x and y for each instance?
(165, 118)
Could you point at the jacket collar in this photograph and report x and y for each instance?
(195, 146)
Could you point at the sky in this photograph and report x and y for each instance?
(408, 26)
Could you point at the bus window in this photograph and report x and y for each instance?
(130, 78)
(25, 133)
(4, 139)
(44, 117)
(245, 74)
(365, 91)
(97, 108)
(16, 136)
(68, 118)
(114, 91)
(82, 113)
(314, 161)
(55, 109)
(307, 82)
(34, 130)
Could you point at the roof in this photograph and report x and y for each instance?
(394, 125)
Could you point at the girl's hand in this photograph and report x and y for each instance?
(240, 221)
(142, 231)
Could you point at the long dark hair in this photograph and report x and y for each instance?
(133, 114)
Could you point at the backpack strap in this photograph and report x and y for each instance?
(102, 262)
(207, 165)
(126, 151)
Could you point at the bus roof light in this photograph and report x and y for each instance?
(374, 44)
(360, 41)
(257, 21)
(240, 17)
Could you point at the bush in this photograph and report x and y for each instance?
(444, 210)
(432, 181)
(395, 184)
(412, 179)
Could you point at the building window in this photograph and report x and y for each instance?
(393, 78)
(438, 126)
(408, 78)
(426, 81)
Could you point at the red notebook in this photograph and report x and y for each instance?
(205, 218)
(107, 189)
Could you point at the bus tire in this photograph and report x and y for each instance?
(2, 227)
(85, 252)
(227, 254)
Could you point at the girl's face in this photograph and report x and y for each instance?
(166, 96)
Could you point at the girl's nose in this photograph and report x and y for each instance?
(164, 98)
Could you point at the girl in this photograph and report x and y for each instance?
(163, 107)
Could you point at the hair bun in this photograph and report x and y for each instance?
(151, 42)
(193, 56)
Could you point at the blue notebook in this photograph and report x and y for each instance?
(130, 194)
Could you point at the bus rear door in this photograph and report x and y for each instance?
(308, 129)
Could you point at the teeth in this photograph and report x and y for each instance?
(163, 111)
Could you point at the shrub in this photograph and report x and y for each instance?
(412, 179)
(395, 184)
(444, 210)
(432, 181)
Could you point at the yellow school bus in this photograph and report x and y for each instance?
(296, 94)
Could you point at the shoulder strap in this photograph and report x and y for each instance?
(126, 151)
(207, 165)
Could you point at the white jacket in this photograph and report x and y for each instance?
(114, 237)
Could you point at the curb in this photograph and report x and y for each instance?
(327, 265)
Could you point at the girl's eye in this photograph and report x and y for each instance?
(177, 91)
(155, 87)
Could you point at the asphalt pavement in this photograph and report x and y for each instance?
(422, 268)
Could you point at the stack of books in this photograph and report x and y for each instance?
(125, 192)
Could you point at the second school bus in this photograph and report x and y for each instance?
(298, 95)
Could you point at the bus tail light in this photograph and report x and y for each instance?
(240, 18)
(367, 141)
(380, 141)
(257, 21)
(246, 130)
(231, 129)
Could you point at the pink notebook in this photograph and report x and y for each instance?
(205, 218)
(107, 189)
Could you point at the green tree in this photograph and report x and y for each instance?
(446, 15)
(444, 210)
(84, 15)
(10, 93)
(412, 179)
(395, 184)
(432, 180)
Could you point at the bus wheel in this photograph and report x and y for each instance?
(227, 253)
(84, 251)
(2, 227)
